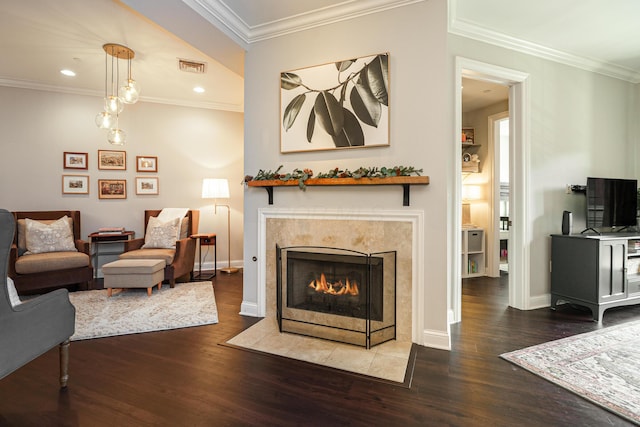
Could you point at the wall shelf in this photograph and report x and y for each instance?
(405, 181)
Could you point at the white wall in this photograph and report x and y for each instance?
(420, 130)
(190, 143)
(579, 126)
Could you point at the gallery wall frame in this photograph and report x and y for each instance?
(112, 160)
(147, 185)
(339, 105)
(112, 188)
(75, 160)
(146, 164)
(75, 184)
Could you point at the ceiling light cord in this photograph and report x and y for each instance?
(114, 100)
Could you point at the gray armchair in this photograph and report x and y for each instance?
(32, 328)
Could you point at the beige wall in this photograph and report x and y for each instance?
(420, 127)
(579, 125)
(190, 143)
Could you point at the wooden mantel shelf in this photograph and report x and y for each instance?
(405, 181)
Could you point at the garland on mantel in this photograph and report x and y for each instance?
(302, 175)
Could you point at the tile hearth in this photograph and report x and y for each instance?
(386, 361)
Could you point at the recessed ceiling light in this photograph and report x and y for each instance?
(68, 73)
(198, 89)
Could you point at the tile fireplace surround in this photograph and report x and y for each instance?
(363, 231)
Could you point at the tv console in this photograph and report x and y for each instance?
(596, 271)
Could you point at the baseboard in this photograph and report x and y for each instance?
(540, 301)
(249, 309)
(208, 265)
(436, 339)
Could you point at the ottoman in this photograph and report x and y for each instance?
(133, 273)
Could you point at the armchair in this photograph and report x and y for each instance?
(35, 272)
(33, 328)
(179, 261)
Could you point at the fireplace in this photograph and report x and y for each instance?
(337, 294)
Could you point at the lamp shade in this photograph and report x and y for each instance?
(471, 192)
(215, 188)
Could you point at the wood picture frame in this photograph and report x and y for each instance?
(75, 184)
(340, 105)
(147, 185)
(112, 188)
(112, 160)
(75, 160)
(146, 164)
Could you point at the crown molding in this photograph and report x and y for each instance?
(218, 13)
(25, 84)
(473, 31)
(223, 18)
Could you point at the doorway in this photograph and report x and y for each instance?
(518, 277)
(498, 261)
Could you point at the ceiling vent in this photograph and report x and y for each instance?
(192, 66)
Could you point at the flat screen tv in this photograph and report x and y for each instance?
(611, 202)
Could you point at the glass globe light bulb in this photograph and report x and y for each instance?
(130, 92)
(116, 136)
(104, 120)
(113, 105)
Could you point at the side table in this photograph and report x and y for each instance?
(97, 239)
(206, 239)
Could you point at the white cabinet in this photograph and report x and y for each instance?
(473, 257)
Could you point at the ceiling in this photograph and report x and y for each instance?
(40, 37)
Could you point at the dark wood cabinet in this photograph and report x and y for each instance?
(598, 272)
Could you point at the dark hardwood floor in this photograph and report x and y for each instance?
(186, 378)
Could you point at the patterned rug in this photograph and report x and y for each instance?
(131, 311)
(601, 366)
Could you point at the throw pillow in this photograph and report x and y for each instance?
(22, 232)
(161, 234)
(54, 237)
(14, 299)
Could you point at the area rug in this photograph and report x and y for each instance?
(601, 366)
(132, 311)
(392, 361)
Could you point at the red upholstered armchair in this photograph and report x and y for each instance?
(34, 272)
(179, 260)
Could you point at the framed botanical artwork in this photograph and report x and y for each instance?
(146, 164)
(75, 184)
(468, 135)
(344, 104)
(114, 160)
(146, 185)
(76, 160)
(112, 188)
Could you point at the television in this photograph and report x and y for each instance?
(611, 202)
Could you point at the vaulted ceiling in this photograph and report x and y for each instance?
(40, 37)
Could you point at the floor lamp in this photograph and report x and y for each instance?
(215, 188)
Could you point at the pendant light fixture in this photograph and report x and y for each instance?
(114, 100)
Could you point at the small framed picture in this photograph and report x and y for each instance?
(146, 185)
(468, 135)
(114, 160)
(76, 160)
(146, 164)
(112, 188)
(75, 184)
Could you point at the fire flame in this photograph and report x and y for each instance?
(336, 288)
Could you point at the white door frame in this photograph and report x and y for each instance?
(493, 231)
(519, 261)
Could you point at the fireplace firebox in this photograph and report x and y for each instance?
(337, 294)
